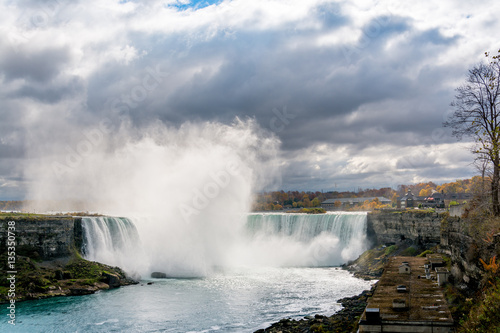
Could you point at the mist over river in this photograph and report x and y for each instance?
(234, 300)
(274, 266)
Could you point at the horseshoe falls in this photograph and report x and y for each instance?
(263, 240)
(277, 266)
(113, 241)
(309, 240)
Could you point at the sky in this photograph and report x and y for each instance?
(354, 92)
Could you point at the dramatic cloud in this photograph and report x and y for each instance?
(355, 91)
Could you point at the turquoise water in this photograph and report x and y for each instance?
(236, 300)
(277, 266)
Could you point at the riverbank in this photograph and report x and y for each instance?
(69, 276)
(343, 321)
(368, 266)
(40, 258)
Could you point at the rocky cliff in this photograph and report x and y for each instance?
(465, 252)
(428, 229)
(47, 262)
(43, 237)
(422, 228)
(52, 237)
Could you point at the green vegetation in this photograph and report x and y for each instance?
(409, 252)
(426, 252)
(85, 270)
(318, 328)
(483, 315)
(458, 304)
(36, 280)
(370, 264)
(389, 250)
(29, 216)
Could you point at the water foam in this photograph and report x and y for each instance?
(276, 240)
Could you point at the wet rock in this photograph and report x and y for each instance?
(343, 321)
(58, 274)
(81, 291)
(111, 279)
(158, 275)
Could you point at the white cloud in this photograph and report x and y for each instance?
(368, 83)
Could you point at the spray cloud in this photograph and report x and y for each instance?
(187, 188)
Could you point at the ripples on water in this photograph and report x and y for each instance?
(239, 300)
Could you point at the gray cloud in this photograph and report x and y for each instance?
(37, 65)
(257, 75)
(356, 78)
(64, 88)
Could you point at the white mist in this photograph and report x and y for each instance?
(186, 189)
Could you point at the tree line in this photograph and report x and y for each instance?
(278, 200)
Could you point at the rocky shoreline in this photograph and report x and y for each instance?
(71, 276)
(346, 320)
(368, 266)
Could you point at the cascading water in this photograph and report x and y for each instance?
(267, 239)
(186, 188)
(235, 299)
(113, 241)
(306, 240)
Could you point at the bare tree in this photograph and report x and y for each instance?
(482, 191)
(476, 115)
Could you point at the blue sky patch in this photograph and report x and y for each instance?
(195, 4)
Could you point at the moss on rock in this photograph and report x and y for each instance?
(37, 280)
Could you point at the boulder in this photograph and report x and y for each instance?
(111, 279)
(59, 274)
(81, 291)
(158, 275)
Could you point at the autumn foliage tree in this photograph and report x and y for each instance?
(476, 115)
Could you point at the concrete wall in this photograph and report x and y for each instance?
(43, 237)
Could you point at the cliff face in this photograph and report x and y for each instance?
(430, 229)
(49, 237)
(421, 228)
(464, 251)
(43, 237)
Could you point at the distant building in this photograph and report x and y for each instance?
(442, 275)
(436, 200)
(410, 200)
(343, 203)
(404, 268)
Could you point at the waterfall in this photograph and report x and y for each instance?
(306, 240)
(264, 239)
(112, 241)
